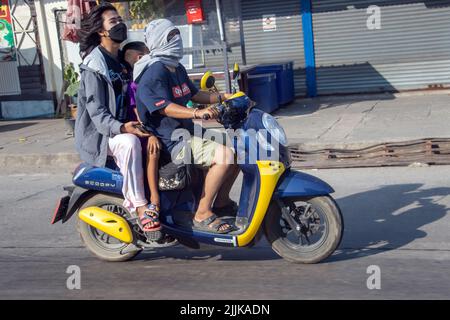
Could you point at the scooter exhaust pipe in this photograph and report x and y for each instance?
(108, 222)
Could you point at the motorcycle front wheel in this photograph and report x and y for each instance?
(308, 231)
(99, 243)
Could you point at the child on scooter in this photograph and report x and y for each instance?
(131, 53)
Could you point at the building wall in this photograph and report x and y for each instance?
(9, 75)
(28, 46)
(283, 42)
(410, 51)
(27, 49)
(50, 43)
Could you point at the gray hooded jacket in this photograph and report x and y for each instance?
(168, 52)
(95, 122)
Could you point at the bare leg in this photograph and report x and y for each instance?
(152, 177)
(223, 197)
(213, 181)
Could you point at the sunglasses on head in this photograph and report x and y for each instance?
(172, 34)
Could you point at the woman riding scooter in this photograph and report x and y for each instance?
(102, 128)
(163, 91)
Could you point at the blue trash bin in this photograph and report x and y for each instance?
(285, 79)
(262, 88)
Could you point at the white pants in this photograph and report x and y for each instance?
(127, 152)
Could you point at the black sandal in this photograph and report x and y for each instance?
(207, 225)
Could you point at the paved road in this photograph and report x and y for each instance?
(396, 218)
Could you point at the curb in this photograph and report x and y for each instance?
(66, 161)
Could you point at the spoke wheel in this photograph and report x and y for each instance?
(312, 227)
(304, 230)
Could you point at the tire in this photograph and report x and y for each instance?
(328, 242)
(88, 233)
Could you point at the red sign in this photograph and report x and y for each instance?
(4, 10)
(194, 11)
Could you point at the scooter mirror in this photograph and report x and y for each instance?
(207, 82)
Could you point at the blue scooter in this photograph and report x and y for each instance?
(294, 210)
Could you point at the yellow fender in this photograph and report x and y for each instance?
(108, 222)
(269, 172)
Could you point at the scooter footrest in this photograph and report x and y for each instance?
(154, 235)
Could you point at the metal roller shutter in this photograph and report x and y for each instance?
(9, 78)
(283, 44)
(232, 35)
(410, 51)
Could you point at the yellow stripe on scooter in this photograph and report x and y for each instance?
(108, 222)
(237, 95)
(269, 172)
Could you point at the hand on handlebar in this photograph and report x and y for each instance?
(208, 113)
(227, 95)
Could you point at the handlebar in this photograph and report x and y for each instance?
(217, 107)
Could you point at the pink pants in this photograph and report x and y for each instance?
(127, 152)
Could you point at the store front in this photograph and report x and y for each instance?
(27, 85)
(383, 45)
(337, 47)
(273, 33)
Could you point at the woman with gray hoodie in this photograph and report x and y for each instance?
(101, 127)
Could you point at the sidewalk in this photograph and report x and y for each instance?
(326, 122)
(36, 144)
(349, 122)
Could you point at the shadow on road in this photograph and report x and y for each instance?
(375, 221)
(15, 126)
(259, 253)
(387, 218)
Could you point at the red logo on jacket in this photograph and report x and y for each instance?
(160, 103)
(185, 89)
(180, 92)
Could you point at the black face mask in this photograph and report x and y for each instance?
(118, 33)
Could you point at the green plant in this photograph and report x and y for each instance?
(72, 79)
(146, 9)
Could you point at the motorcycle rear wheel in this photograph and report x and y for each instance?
(324, 215)
(97, 242)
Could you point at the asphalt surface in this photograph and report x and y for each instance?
(395, 218)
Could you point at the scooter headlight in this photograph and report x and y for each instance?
(274, 128)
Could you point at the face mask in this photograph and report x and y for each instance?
(118, 33)
(176, 46)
